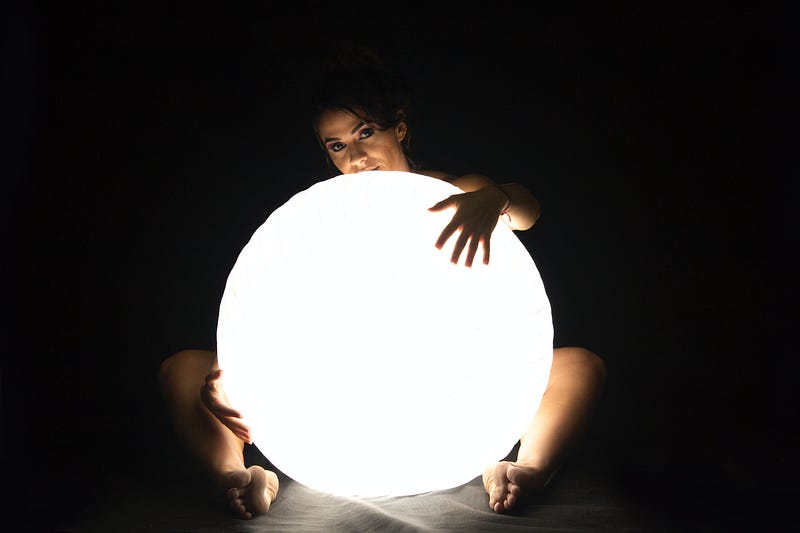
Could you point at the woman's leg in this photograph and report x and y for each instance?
(577, 378)
(217, 450)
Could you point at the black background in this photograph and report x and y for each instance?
(145, 144)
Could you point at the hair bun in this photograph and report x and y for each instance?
(351, 56)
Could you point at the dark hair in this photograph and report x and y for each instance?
(355, 80)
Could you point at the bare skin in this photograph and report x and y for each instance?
(251, 490)
(215, 433)
(189, 383)
(508, 482)
(355, 145)
(577, 378)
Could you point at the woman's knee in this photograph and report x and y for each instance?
(184, 363)
(579, 358)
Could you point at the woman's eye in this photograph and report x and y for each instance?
(336, 147)
(366, 132)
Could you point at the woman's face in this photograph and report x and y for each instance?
(355, 145)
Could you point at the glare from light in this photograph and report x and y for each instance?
(365, 362)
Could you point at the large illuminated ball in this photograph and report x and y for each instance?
(365, 362)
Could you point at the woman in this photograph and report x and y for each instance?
(361, 121)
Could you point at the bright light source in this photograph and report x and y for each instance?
(364, 361)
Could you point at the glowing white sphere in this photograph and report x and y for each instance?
(364, 361)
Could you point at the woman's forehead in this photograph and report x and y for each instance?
(337, 122)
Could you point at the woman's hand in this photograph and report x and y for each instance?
(476, 216)
(216, 401)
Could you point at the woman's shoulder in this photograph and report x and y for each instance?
(438, 174)
(466, 182)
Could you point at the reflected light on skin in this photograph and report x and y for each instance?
(360, 355)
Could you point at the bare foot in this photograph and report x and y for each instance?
(250, 492)
(507, 482)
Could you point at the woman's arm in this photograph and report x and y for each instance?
(522, 210)
(477, 210)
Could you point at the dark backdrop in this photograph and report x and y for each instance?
(145, 144)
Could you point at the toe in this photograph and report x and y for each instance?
(242, 511)
(511, 500)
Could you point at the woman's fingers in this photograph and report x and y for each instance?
(447, 232)
(475, 241)
(239, 428)
(471, 240)
(444, 204)
(475, 219)
(213, 378)
(216, 402)
(226, 410)
(461, 242)
(472, 250)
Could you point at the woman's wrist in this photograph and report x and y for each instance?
(507, 205)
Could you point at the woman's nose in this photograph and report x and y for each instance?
(358, 157)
